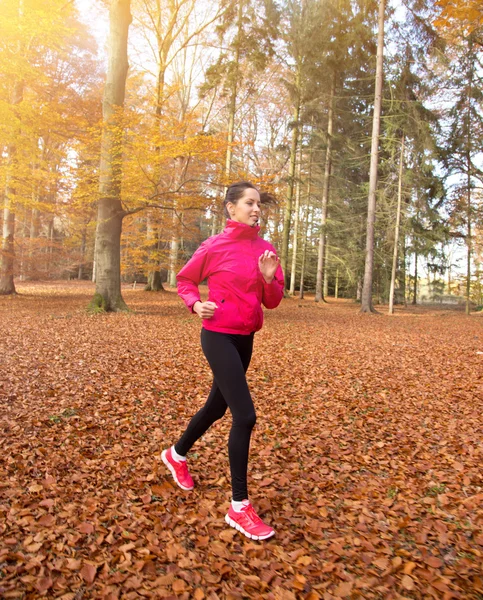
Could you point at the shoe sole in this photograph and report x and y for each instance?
(239, 528)
(173, 472)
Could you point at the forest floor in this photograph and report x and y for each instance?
(366, 457)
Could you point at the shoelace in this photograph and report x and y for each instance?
(252, 515)
(184, 468)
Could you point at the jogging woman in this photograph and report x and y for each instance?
(243, 272)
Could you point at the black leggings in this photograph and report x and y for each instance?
(228, 356)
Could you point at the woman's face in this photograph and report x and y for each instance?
(247, 208)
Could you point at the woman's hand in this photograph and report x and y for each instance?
(205, 310)
(268, 264)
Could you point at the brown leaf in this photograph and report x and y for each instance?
(46, 520)
(44, 584)
(227, 535)
(36, 487)
(409, 567)
(407, 583)
(344, 589)
(304, 560)
(86, 528)
(48, 502)
(34, 547)
(88, 572)
(381, 563)
(178, 585)
(434, 562)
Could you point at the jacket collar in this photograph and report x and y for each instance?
(241, 230)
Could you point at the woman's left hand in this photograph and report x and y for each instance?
(268, 264)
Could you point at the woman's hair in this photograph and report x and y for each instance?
(234, 192)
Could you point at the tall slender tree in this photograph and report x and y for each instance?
(366, 300)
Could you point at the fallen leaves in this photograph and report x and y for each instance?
(364, 456)
(407, 583)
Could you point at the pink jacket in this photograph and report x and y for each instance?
(230, 262)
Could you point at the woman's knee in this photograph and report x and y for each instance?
(210, 414)
(247, 420)
(219, 413)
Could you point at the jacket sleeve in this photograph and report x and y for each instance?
(273, 292)
(191, 275)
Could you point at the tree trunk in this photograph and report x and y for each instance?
(336, 292)
(164, 43)
(154, 282)
(110, 211)
(319, 289)
(403, 294)
(293, 270)
(468, 185)
(214, 223)
(415, 283)
(366, 305)
(173, 254)
(7, 253)
(326, 271)
(304, 255)
(173, 260)
(33, 242)
(359, 290)
(94, 263)
(396, 232)
(287, 217)
(468, 243)
(80, 272)
(235, 76)
(308, 226)
(7, 285)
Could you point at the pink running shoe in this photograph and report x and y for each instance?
(249, 523)
(179, 470)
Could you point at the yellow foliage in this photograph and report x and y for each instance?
(459, 17)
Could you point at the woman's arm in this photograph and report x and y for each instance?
(273, 283)
(191, 275)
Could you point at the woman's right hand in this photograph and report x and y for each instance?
(205, 310)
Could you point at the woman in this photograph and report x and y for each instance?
(243, 271)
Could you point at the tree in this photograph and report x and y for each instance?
(321, 263)
(43, 53)
(170, 29)
(366, 301)
(110, 210)
(7, 285)
(396, 230)
(464, 143)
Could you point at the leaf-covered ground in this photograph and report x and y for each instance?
(367, 454)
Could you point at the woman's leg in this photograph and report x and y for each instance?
(214, 409)
(229, 357)
(215, 406)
